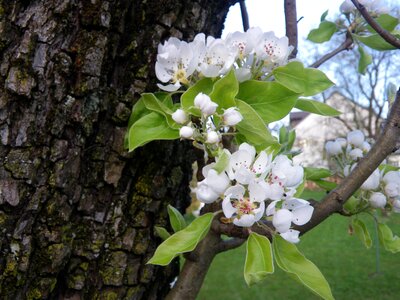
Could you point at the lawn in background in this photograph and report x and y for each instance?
(347, 265)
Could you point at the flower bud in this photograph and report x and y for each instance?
(355, 154)
(204, 103)
(231, 116)
(396, 205)
(186, 132)
(346, 7)
(392, 189)
(377, 200)
(342, 142)
(179, 116)
(372, 181)
(212, 137)
(366, 147)
(356, 138)
(333, 148)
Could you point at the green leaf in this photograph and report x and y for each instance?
(326, 185)
(258, 262)
(364, 61)
(253, 128)
(204, 86)
(386, 21)
(291, 139)
(387, 239)
(308, 81)
(224, 91)
(162, 232)
(183, 241)
(222, 162)
(139, 110)
(153, 104)
(300, 189)
(149, 128)
(323, 16)
(271, 100)
(316, 107)
(316, 173)
(360, 229)
(375, 41)
(323, 33)
(283, 135)
(176, 219)
(386, 168)
(351, 205)
(292, 261)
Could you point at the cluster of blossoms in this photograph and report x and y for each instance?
(373, 6)
(250, 182)
(382, 188)
(207, 131)
(252, 54)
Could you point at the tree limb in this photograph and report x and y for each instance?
(346, 45)
(387, 36)
(245, 15)
(291, 25)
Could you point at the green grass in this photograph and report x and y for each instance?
(347, 265)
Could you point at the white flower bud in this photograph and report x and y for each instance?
(372, 181)
(212, 137)
(356, 138)
(342, 142)
(204, 103)
(333, 148)
(366, 147)
(347, 7)
(179, 116)
(231, 116)
(392, 189)
(377, 200)
(186, 132)
(396, 205)
(356, 153)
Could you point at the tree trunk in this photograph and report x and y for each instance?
(76, 210)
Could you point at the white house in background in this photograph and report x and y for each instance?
(313, 131)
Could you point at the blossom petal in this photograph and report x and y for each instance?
(262, 163)
(294, 203)
(218, 182)
(244, 176)
(170, 87)
(205, 194)
(292, 236)
(236, 191)
(302, 215)
(248, 148)
(241, 158)
(227, 207)
(256, 192)
(271, 208)
(245, 221)
(259, 212)
(282, 220)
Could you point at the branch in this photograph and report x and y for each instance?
(346, 45)
(245, 15)
(291, 24)
(387, 36)
(385, 145)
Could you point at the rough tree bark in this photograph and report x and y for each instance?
(76, 210)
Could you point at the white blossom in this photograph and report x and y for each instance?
(377, 200)
(186, 132)
(356, 138)
(245, 211)
(213, 185)
(333, 148)
(180, 116)
(212, 137)
(372, 182)
(355, 154)
(204, 103)
(231, 116)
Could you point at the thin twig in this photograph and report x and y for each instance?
(346, 45)
(245, 15)
(291, 25)
(387, 36)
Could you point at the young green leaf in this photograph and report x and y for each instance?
(364, 61)
(375, 41)
(307, 81)
(387, 239)
(386, 21)
(326, 185)
(323, 16)
(258, 262)
(253, 128)
(162, 232)
(204, 86)
(149, 128)
(182, 241)
(283, 135)
(222, 162)
(316, 173)
(153, 104)
(323, 33)
(351, 205)
(176, 219)
(292, 261)
(316, 107)
(360, 229)
(271, 100)
(224, 91)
